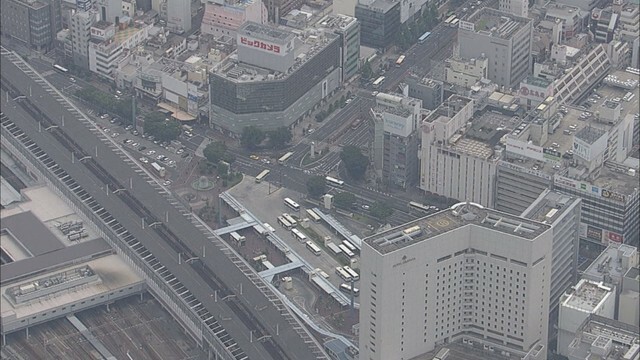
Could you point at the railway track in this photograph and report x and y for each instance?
(212, 280)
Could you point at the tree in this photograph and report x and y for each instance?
(316, 186)
(215, 151)
(223, 169)
(380, 210)
(355, 162)
(205, 167)
(163, 130)
(366, 72)
(252, 137)
(344, 200)
(280, 137)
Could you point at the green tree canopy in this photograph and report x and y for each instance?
(366, 72)
(252, 137)
(105, 102)
(355, 162)
(214, 151)
(344, 200)
(380, 210)
(162, 129)
(316, 186)
(280, 137)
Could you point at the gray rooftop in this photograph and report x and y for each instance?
(497, 23)
(590, 134)
(31, 234)
(457, 216)
(265, 32)
(380, 5)
(542, 208)
(18, 270)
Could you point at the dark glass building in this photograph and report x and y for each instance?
(380, 23)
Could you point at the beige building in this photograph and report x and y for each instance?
(466, 72)
(465, 273)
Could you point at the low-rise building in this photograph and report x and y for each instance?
(225, 17)
(573, 20)
(602, 338)
(466, 72)
(429, 91)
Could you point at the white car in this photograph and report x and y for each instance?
(167, 183)
(115, 134)
(144, 160)
(151, 152)
(365, 207)
(135, 144)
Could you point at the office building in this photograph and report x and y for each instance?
(562, 212)
(348, 29)
(629, 298)
(515, 7)
(601, 338)
(380, 22)
(465, 272)
(572, 19)
(109, 10)
(81, 23)
(504, 39)
(274, 79)
(396, 139)
(458, 158)
(410, 9)
(466, 72)
(278, 8)
(578, 304)
(33, 23)
(534, 90)
(629, 22)
(179, 16)
(429, 91)
(225, 17)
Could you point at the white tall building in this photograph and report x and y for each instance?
(109, 10)
(179, 15)
(456, 159)
(81, 22)
(515, 7)
(466, 272)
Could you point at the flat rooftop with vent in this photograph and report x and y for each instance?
(496, 23)
(601, 338)
(612, 263)
(588, 296)
(450, 219)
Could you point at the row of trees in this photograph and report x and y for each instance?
(340, 103)
(160, 127)
(252, 137)
(105, 102)
(411, 31)
(354, 161)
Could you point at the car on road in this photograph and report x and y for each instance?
(144, 160)
(151, 138)
(310, 131)
(254, 157)
(348, 101)
(374, 93)
(171, 162)
(72, 80)
(135, 132)
(266, 161)
(113, 121)
(144, 136)
(167, 183)
(156, 142)
(180, 151)
(142, 148)
(128, 127)
(366, 207)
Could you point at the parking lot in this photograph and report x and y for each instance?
(267, 203)
(146, 149)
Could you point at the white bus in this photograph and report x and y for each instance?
(313, 248)
(378, 82)
(412, 231)
(349, 245)
(159, 170)
(455, 22)
(299, 235)
(400, 60)
(334, 182)
(284, 223)
(292, 204)
(60, 68)
(346, 288)
(313, 216)
(334, 248)
(343, 274)
(259, 229)
(351, 272)
(262, 175)
(290, 219)
(269, 227)
(237, 238)
(284, 158)
(416, 205)
(449, 19)
(345, 250)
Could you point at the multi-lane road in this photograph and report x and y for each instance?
(162, 207)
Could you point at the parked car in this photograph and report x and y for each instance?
(142, 148)
(144, 160)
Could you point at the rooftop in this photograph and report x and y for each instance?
(588, 296)
(380, 5)
(596, 334)
(102, 25)
(497, 23)
(458, 216)
(265, 32)
(590, 134)
(338, 21)
(448, 109)
(537, 81)
(613, 263)
(549, 206)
